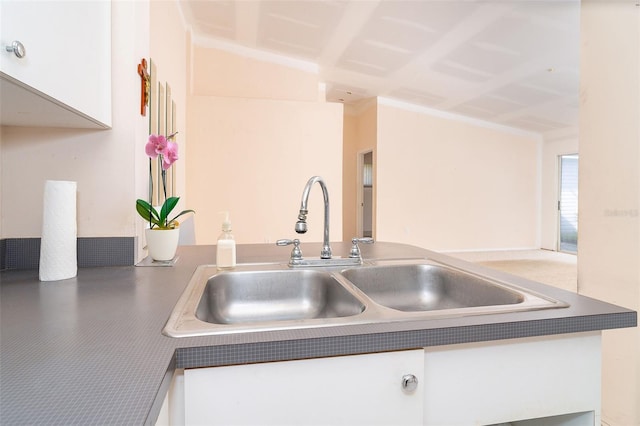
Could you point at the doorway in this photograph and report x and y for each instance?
(365, 194)
(568, 204)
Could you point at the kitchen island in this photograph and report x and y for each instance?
(90, 350)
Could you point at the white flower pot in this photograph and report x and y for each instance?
(162, 243)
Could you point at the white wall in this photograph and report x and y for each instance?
(447, 184)
(551, 150)
(609, 181)
(103, 162)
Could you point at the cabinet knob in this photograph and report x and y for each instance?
(17, 48)
(409, 383)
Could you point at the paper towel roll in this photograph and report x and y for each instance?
(58, 247)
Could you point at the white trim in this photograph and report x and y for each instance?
(260, 55)
(484, 250)
(457, 117)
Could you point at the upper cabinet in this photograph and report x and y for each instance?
(59, 73)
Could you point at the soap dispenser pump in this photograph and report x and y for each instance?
(226, 247)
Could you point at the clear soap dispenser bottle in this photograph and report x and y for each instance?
(226, 247)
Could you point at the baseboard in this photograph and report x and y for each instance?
(24, 253)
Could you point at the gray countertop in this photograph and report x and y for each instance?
(89, 350)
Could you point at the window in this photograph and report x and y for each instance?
(568, 204)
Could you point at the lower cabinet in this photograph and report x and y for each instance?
(540, 381)
(348, 390)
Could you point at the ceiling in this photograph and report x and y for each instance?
(510, 62)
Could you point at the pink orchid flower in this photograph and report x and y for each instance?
(157, 144)
(170, 155)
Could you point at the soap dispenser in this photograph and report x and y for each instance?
(226, 247)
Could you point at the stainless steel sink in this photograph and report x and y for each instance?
(257, 296)
(428, 287)
(261, 297)
(264, 297)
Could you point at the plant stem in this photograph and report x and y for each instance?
(150, 192)
(164, 189)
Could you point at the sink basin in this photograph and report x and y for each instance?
(271, 296)
(426, 287)
(254, 296)
(262, 297)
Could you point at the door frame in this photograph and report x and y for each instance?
(360, 191)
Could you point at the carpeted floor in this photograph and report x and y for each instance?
(548, 267)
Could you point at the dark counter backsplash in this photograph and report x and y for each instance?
(24, 253)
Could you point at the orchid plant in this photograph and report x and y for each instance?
(166, 150)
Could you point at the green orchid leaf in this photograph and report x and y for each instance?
(147, 212)
(181, 213)
(167, 207)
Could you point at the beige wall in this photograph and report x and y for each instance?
(169, 51)
(252, 148)
(103, 162)
(446, 184)
(609, 203)
(2, 178)
(551, 150)
(253, 158)
(109, 165)
(217, 72)
(360, 133)
(349, 175)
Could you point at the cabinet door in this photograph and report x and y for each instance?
(68, 53)
(507, 381)
(351, 390)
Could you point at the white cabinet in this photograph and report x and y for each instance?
(548, 381)
(64, 80)
(539, 381)
(348, 390)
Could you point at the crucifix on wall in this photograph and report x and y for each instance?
(144, 86)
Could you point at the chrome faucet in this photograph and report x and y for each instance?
(296, 260)
(301, 224)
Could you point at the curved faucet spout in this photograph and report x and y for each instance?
(301, 225)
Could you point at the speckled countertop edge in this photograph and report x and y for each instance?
(90, 350)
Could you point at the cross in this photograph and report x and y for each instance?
(144, 86)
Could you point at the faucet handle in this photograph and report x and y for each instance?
(296, 253)
(355, 249)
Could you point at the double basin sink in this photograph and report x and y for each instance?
(261, 297)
